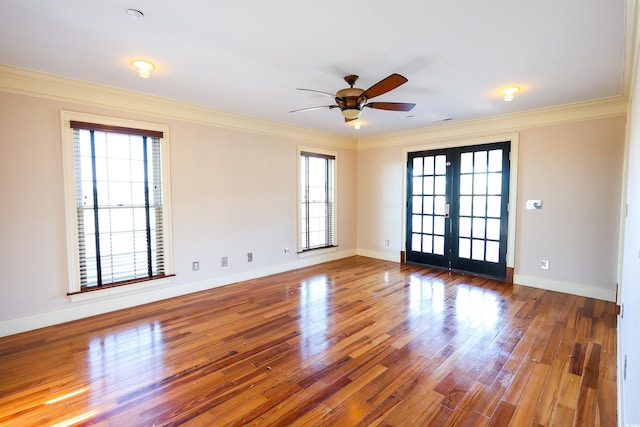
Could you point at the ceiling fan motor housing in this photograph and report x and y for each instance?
(351, 99)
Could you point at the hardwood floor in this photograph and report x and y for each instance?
(355, 342)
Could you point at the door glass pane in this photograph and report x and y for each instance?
(428, 185)
(465, 205)
(465, 227)
(417, 186)
(480, 183)
(415, 242)
(480, 161)
(428, 165)
(494, 186)
(466, 184)
(493, 252)
(495, 160)
(478, 228)
(438, 245)
(438, 225)
(428, 205)
(417, 166)
(477, 250)
(427, 246)
(493, 228)
(479, 205)
(416, 223)
(416, 205)
(439, 203)
(441, 165)
(464, 248)
(441, 185)
(466, 163)
(493, 206)
(427, 224)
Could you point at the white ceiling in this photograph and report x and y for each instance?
(249, 56)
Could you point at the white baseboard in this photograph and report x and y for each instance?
(379, 255)
(82, 309)
(566, 287)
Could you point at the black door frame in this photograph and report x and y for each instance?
(509, 213)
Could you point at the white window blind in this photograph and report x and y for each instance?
(317, 210)
(119, 203)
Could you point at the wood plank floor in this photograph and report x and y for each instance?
(355, 342)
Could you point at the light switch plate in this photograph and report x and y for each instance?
(534, 204)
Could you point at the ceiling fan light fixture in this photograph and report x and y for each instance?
(351, 113)
(144, 68)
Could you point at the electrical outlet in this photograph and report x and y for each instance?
(224, 261)
(286, 251)
(195, 265)
(250, 257)
(386, 243)
(544, 264)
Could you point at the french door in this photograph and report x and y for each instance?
(457, 201)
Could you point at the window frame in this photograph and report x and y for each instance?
(75, 290)
(302, 251)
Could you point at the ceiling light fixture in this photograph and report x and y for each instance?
(509, 92)
(357, 125)
(144, 68)
(135, 13)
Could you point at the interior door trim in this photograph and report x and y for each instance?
(513, 180)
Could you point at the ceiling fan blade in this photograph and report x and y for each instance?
(392, 106)
(332, 95)
(384, 86)
(314, 108)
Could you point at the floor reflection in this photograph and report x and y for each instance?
(313, 315)
(425, 295)
(131, 357)
(473, 306)
(477, 306)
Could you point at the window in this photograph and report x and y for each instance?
(120, 213)
(317, 200)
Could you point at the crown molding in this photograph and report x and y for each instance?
(48, 86)
(508, 123)
(37, 84)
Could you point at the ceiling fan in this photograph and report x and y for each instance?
(352, 100)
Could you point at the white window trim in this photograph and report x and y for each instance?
(68, 165)
(320, 251)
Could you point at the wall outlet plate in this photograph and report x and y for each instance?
(544, 264)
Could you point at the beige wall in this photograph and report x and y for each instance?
(233, 192)
(576, 170)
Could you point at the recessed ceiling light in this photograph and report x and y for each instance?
(509, 92)
(144, 68)
(135, 13)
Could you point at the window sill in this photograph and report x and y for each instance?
(117, 290)
(319, 251)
